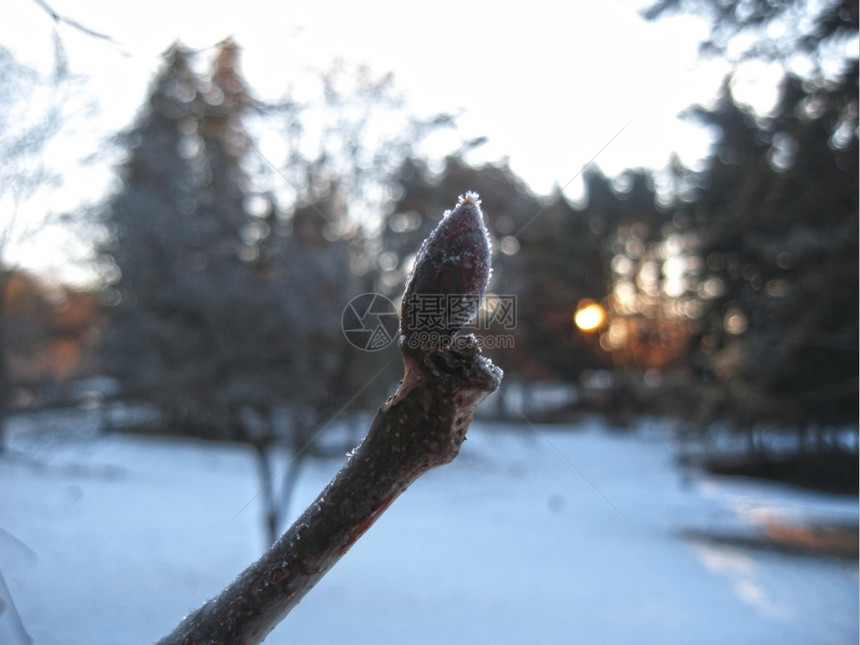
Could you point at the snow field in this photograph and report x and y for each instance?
(538, 535)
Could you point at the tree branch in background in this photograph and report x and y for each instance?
(422, 426)
(59, 18)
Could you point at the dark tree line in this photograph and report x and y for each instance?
(777, 219)
(775, 215)
(730, 294)
(731, 301)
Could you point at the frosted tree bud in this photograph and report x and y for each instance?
(445, 288)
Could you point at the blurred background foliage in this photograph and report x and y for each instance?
(722, 297)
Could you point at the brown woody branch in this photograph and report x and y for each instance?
(422, 426)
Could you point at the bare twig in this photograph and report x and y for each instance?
(422, 426)
(59, 18)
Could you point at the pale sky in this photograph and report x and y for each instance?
(549, 83)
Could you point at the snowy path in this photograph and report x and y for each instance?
(530, 536)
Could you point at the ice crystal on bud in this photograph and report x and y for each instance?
(449, 278)
(470, 197)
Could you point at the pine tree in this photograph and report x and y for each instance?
(176, 227)
(228, 320)
(777, 216)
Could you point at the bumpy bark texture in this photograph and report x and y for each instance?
(423, 425)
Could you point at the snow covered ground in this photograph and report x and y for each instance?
(532, 535)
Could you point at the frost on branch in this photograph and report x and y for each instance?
(447, 284)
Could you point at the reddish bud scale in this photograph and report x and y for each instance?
(449, 278)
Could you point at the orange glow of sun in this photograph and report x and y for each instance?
(589, 316)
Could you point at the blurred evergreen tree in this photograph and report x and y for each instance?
(227, 319)
(776, 214)
(176, 246)
(777, 30)
(778, 219)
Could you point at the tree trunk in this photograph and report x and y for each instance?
(270, 505)
(291, 476)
